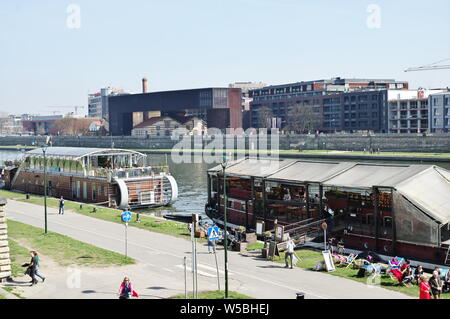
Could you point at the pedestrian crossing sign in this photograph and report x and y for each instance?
(213, 233)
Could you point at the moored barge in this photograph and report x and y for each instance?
(391, 209)
(113, 177)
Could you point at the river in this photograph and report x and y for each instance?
(191, 178)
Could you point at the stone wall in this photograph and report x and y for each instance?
(5, 262)
(344, 142)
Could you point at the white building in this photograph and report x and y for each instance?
(98, 102)
(408, 110)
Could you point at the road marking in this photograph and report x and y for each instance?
(167, 269)
(214, 269)
(153, 249)
(206, 274)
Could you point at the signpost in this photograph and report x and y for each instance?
(213, 234)
(126, 218)
(324, 227)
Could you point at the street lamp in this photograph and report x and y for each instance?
(44, 150)
(224, 165)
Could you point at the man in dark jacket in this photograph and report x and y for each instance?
(436, 285)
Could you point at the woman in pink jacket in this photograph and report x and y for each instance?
(126, 290)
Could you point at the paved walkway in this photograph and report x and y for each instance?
(160, 272)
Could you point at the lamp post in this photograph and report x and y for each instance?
(224, 165)
(44, 149)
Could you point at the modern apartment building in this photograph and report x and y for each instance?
(439, 108)
(340, 104)
(98, 104)
(408, 110)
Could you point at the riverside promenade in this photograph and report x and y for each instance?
(160, 271)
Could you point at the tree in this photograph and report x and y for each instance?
(265, 115)
(302, 119)
(71, 126)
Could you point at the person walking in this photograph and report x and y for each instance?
(425, 288)
(436, 285)
(61, 206)
(31, 269)
(36, 268)
(126, 290)
(290, 246)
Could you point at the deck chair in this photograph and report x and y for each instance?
(350, 259)
(339, 260)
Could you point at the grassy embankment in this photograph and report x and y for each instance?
(317, 152)
(287, 152)
(108, 214)
(309, 258)
(62, 249)
(213, 295)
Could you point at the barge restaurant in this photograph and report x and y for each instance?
(113, 177)
(392, 209)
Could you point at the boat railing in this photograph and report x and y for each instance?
(128, 172)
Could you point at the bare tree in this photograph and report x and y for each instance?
(302, 119)
(265, 115)
(71, 126)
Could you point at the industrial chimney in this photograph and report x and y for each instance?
(144, 85)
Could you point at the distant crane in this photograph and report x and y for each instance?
(431, 66)
(76, 107)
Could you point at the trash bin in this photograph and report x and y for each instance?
(27, 196)
(300, 295)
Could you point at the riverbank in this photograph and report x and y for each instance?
(154, 224)
(425, 157)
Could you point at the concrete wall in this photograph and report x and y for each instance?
(5, 262)
(345, 142)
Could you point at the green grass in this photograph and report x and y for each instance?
(2, 297)
(64, 250)
(19, 255)
(315, 152)
(309, 258)
(11, 290)
(255, 246)
(108, 214)
(213, 295)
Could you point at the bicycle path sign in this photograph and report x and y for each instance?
(126, 216)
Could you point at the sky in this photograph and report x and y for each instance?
(54, 52)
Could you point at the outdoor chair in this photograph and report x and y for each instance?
(350, 259)
(360, 263)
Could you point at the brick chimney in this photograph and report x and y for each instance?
(144, 85)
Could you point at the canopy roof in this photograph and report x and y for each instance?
(426, 186)
(79, 152)
(253, 167)
(313, 172)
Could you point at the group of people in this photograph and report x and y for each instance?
(435, 286)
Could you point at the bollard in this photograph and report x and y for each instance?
(300, 295)
(81, 206)
(27, 196)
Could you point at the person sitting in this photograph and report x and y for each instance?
(419, 272)
(407, 276)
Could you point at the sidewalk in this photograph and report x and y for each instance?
(160, 265)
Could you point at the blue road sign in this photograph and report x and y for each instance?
(213, 233)
(126, 216)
